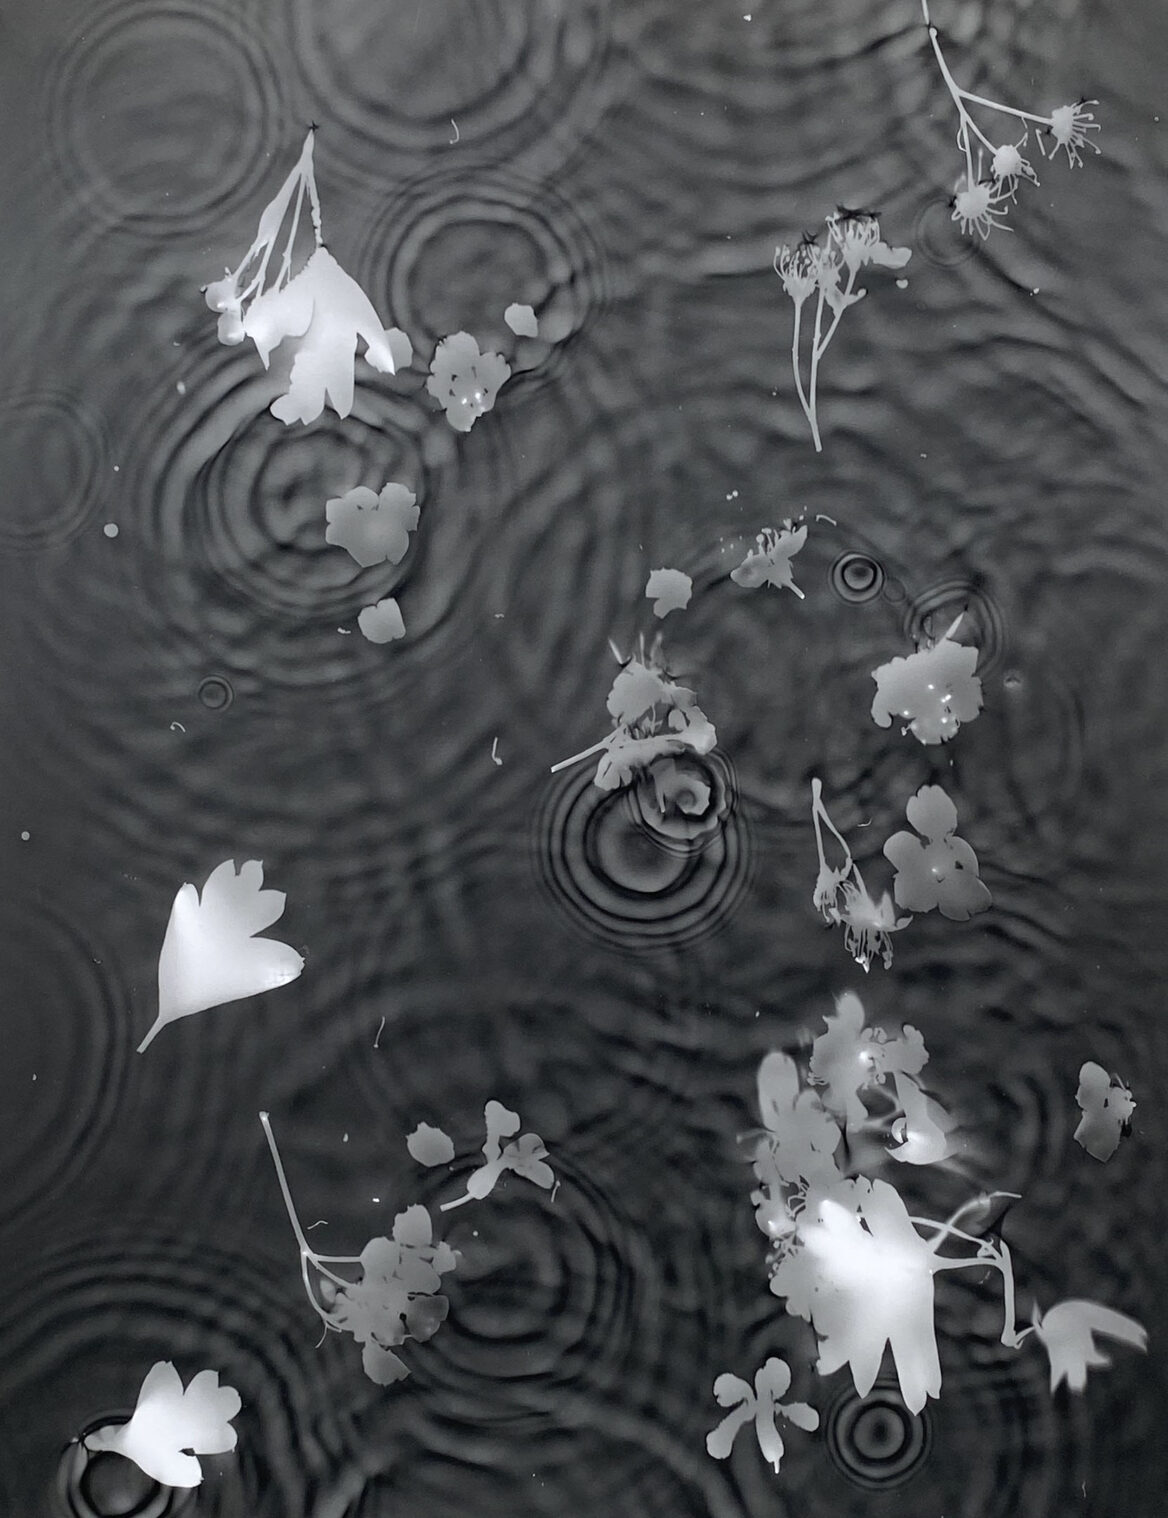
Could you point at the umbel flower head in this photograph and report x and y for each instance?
(829, 273)
(980, 204)
(1069, 125)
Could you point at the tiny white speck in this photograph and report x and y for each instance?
(117, 469)
(377, 1199)
(26, 836)
(346, 631)
(181, 387)
(177, 727)
(902, 284)
(34, 1075)
(110, 529)
(345, 1139)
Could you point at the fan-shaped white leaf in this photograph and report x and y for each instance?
(210, 954)
(168, 1422)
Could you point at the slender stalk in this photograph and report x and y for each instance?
(290, 1206)
(977, 1201)
(286, 261)
(818, 812)
(795, 367)
(813, 377)
(1009, 110)
(307, 1253)
(310, 183)
(842, 308)
(584, 753)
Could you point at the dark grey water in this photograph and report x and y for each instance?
(996, 439)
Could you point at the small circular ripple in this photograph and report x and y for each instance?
(938, 238)
(857, 577)
(105, 1485)
(161, 114)
(66, 1045)
(541, 1310)
(88, 1325)
(216, 693)
(930, 614)
(237, 521)
(636, 880)
(456, 245)
(468, 74)
(52, 461)
(874, 1440)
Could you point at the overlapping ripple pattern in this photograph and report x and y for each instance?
(184, 681)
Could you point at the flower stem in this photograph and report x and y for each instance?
(807, 412)
(813, 377)
(1009, 110)
(307, 1253)
(584, 753)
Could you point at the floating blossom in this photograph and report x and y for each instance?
(769, 563)
(940, 871)
(382, 622)
(672, 589)
(464, 381)
(525, 1156)
(842, 897)
(321, 307)
(396, 1297)
(169, 1421)
(1107, 1106)
(853, 242)
(1069, 125)
(980, 205)
(653, 717)
(374, 528)
(849, 1058)
(1008, 166)
(934, 690)
(522, 320)
(430, 1146)
(761, 1404)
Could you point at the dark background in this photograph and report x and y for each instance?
(996, 437)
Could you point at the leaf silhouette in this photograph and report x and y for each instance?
(210, 954)
(864, 1277)
(169, 1421)
(320, 308)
